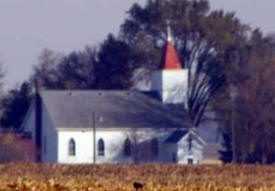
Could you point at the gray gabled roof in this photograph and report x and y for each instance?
(176, 136)
(71, 109)
(179, 134)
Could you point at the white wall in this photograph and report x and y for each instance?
(114, 140)
(83, 146)
(196, 152)
(181, 150)
(171, 84)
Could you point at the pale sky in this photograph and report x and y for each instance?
(28, 26)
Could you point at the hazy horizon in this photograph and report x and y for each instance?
(27, 27)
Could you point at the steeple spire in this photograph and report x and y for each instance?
(170, 57)
(169, 33)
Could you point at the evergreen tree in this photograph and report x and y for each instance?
(15, 106)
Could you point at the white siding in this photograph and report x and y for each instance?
(114, 146)
(113, 142)
(182, 153)
(83, 147)
(171, 85)
(196, 153)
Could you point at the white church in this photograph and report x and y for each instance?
(72, 127)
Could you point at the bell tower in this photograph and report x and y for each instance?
(170, 81)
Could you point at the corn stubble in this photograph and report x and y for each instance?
(34, 177)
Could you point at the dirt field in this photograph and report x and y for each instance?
(31, 177)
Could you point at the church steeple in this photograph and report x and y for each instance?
(170, 59)
(171, 80)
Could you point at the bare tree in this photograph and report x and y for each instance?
(14, 148)
(202, 37)
(250, 102)
(46, 70)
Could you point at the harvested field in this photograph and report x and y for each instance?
(31, 177)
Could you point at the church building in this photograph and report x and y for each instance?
(127, 126)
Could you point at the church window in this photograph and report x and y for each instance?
(71, 147)
(155, 147)
(100, 147)
(127, 148)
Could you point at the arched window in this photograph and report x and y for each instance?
(71, 147)
(100, 147)
(127, 148)
(155, 147)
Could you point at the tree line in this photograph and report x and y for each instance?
(231, 69)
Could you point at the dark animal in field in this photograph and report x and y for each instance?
(138, 185)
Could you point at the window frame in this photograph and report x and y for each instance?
(101, 147)
(72, 147)
(127, 149)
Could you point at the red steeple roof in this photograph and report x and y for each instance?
(170, 57)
